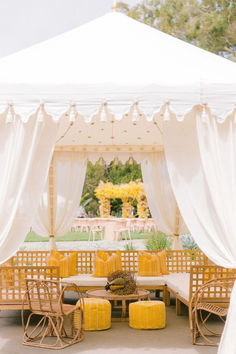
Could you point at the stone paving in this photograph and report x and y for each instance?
(120, 339)
(85, 245)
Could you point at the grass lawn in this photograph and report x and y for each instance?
(77, 236)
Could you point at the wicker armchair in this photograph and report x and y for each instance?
(51, 322)
(204, 330)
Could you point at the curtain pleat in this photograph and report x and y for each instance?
(160, 197)
(25, 152)
(69, 170)
(201, 159)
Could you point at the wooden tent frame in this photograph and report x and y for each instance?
(98, 149)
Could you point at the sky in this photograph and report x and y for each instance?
(26, 22)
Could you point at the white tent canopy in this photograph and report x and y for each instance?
(112, 82)
(122, 88)
(130, 66)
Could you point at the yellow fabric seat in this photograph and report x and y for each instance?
(97, 314)
(147, 315)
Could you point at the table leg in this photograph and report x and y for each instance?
(123, 315)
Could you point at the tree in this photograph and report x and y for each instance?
(94, 174)
(124, 173)
(209, 24)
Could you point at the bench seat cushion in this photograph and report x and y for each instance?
(179, 283)
(87, 280)
(150, 281)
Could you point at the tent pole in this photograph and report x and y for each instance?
(176, 245)
(52, 242)
(115, 6)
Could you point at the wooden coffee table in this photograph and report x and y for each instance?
(109, 295)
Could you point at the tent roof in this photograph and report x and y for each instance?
(118, 60)
(114, 49)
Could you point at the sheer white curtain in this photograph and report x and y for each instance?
(25, 153)
(55, 216)
(160, 197)
(201, 159)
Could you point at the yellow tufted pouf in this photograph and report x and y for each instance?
(97, 314)
(147, 315)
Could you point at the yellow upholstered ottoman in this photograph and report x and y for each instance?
(147, 315)
(97, 314)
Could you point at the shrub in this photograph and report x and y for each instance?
(129, 246)
(158, 241)
(188, 242)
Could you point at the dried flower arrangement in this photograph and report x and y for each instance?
(121, 283)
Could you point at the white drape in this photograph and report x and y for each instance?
(160, 197)
(69, 170)
(201, 158)
(25, 153)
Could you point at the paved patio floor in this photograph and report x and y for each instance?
(175, 338)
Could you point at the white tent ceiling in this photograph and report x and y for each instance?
(116, 60)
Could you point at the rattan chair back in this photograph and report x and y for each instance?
(211, 299)
(53, 326)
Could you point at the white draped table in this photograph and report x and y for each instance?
(109, 231)
(111, 225)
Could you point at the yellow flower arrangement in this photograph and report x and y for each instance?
(127, 193)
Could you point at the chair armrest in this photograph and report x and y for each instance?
(75, 288)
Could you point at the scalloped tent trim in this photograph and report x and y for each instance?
(104, 128)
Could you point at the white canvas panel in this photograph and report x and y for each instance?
(68, 180)
(201, 159)
(25, 153)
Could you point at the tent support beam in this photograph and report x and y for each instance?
(52, 242)
(110, 148)
(177, 220)
(177, 243)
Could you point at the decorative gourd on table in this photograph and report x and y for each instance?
(118, 283)
(121, 283)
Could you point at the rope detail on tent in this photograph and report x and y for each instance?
(205, 115)
(10, 114)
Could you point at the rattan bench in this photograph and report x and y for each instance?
(185, 288)
(188, 271)
(12, 283)
(178, 261)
